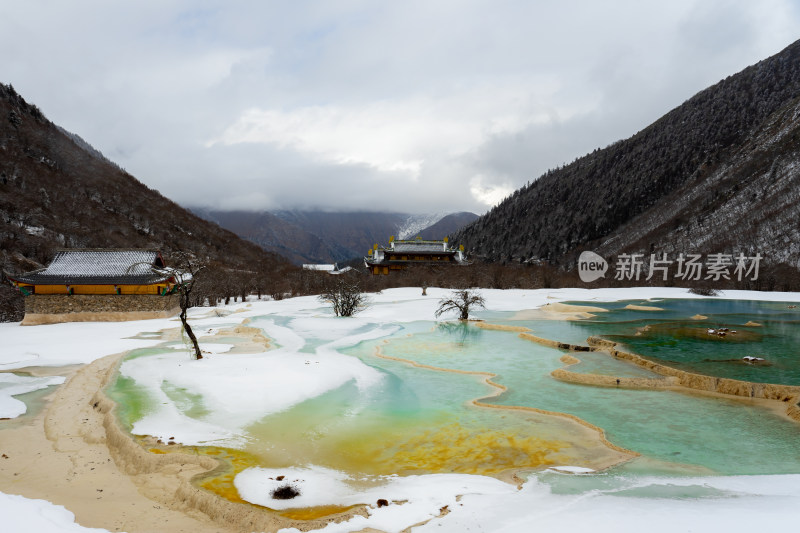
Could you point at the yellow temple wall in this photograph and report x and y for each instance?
(99, 289)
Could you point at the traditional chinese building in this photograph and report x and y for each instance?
(400, 255)
(98, 284)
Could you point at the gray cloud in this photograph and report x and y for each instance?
(411, 106)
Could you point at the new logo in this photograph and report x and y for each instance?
(591, 267)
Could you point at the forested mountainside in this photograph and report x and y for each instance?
(56, 191)
(717, 174)
(749, 203)
(329, 237)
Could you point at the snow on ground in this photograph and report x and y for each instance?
(476, 503)
(205, 347)
(235, 389)
(83, 342)
(424, 496)
(22, 515)
(72, 343)
(572, 469)
(240, 389)
(12, 385)
(325, 328)
(730, 504)
(408, 305)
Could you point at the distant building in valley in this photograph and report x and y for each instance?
(330, 269)
(98, 285)
(400, 255)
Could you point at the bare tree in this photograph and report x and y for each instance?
(345, 297)
(462, 300)
(186, 275)
(186, 270)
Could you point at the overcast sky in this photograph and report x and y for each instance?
(408, 106)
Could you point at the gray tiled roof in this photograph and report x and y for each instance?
(99, 266)
(428, 247)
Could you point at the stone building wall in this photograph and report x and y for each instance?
(55, 308)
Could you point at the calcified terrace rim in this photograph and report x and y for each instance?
(500, 389)
(673, 378)
(135, 460)
(134, 457)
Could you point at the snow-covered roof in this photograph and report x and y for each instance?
(100, 266)
(321, 267)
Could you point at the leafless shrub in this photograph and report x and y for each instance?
(704, 291)
(462, 301)
(345, 297)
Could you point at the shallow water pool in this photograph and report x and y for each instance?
(408, 407)
(669, 426)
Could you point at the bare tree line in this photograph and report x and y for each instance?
(220, 285)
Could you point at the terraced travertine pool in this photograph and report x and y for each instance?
(768, 330)
(408, 407)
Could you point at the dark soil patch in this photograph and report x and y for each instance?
(285, 492)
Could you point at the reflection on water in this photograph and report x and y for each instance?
(460, 332)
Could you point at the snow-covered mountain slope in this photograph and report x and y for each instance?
(750, 203)
(717, 174)
(414, 224)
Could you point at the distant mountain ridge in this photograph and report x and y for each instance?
(331, 237)
(719, 173)
(415, 224)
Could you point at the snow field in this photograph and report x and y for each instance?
(12, 385)
(23, 515)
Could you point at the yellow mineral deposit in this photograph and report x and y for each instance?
(568, 359)
(586, 447)
(484, 452)
(232, 462)
(559, 311)
(634, 307)
(313, 513)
